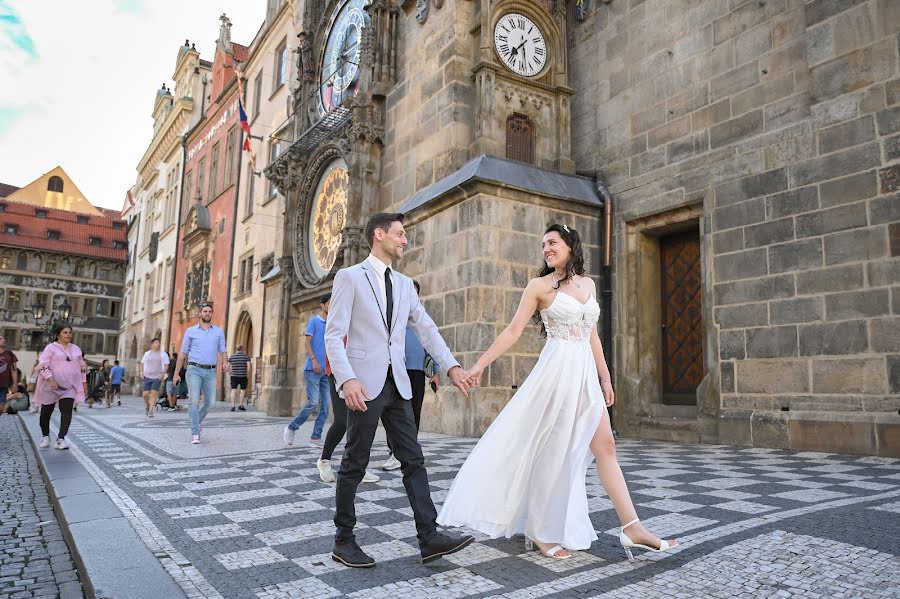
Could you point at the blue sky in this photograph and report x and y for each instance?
(79, 80)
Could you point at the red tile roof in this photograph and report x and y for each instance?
(7, 190)
(240, 52)
(74, 238)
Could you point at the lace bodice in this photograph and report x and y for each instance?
(570, 320)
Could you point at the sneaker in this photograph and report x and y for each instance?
(195, 439)
(391, 463)
(325, 471)
(242, 408)
(61, 444)
(288, 436)
(232, 408)
(370, 477)
(314, 443)
(150, 414)
(45, 442)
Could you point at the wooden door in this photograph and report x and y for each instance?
(682, 326)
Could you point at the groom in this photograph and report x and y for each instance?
(371, 306)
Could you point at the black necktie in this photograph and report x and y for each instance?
(389, 294)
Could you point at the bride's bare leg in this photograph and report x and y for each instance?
(603, 447)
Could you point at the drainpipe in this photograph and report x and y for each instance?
(606, 291)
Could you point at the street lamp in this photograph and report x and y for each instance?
(60, 315)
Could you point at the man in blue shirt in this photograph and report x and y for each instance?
(115, 379)
(420, 367)
(204, 346)
(317, 384)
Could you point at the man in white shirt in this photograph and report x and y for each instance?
(153, 368)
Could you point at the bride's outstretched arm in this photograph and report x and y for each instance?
(527, 307)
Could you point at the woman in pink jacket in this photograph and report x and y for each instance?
(62, 379)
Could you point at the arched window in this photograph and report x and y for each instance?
(55, 184)
(520, 138)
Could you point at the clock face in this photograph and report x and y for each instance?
(520, 44)
(327, 217)
(339, 72)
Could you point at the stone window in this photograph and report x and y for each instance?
(83, 220)
(119, 245)
(118, 225)
(2, 207)
(520, 138)
(14, 299)
(55, 184)
(10, 229)
(51, 234)
(280, 66)
(112, 345)
(201, 173)
(12, 338)
(115, 309)
(95, 241)
(188, 188)
(245, 279)
(257, 94)
(40, 213)
(251, 188)
(50, 267)
(274, 153)
(214, 172)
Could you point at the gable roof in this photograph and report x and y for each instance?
(6, 189)
(37, 193)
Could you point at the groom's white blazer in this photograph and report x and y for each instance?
(357, 313)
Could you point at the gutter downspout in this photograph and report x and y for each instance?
(177, 244)
(606, 278)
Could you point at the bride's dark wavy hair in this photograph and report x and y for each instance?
(575, 265)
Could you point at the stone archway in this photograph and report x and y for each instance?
(243, 333)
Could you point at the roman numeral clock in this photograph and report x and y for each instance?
(522, 91)
(520, 44)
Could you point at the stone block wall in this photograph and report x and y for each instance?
(779, 120)
(430, 109)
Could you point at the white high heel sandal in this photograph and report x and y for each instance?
(553, 552)
(628, 544)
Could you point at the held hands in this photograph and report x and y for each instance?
(609, 396)
(460, 379)
(355, 395)
(475, 374)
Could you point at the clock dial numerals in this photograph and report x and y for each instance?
(520, 44)
(339, 72)
(328, 216)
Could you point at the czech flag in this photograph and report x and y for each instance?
(245, 124)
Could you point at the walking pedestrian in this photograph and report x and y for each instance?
(204, 347)
(317, 394)
(335, 433)
(421, 368)
(171, 387)
(240, 374)
(9, 378)
(116, 374)
(62, 380)
(153, 368)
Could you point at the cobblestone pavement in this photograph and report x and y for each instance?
(241, 516)
(34, 559)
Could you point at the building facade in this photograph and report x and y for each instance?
(752, 151)
(731, 166)
(153, 217)
(209, 196)
(268, 94)
(59, 254)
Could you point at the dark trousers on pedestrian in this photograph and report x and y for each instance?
(397, 416)
(65, 416)
(417, 380)
(338, 425)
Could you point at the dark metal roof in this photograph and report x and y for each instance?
(510, 173)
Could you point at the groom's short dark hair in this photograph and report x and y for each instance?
(381, 220)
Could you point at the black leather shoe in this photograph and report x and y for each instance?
(351, 556)
(441, 545)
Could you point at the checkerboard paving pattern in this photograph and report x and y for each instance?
(258, 524)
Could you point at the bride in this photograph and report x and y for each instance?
(527, 473)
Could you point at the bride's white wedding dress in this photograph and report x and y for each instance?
(527, 473)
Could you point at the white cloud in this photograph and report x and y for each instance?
(85, 101)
